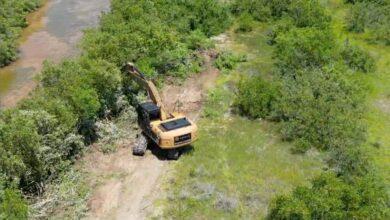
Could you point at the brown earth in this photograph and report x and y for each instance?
(125, 186)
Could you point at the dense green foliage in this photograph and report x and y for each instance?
(321, 106)
(159, 35)
(261, 10)
(301, 48)
(245, 23)
(42, 136)
(12, 19)
(331, 198)
(257, 97)
(370, 16)
(357, 59)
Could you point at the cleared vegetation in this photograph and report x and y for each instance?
(239, 164)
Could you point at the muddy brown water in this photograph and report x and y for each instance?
(53, 34)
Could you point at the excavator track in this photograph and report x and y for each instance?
(140, 146)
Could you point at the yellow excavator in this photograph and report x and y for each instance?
(170, 131)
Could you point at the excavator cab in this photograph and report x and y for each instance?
(170, 131)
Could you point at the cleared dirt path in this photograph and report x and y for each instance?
(125, 186)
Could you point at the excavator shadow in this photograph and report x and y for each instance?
(162, 154)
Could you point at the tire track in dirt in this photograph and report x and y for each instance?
(125, 186)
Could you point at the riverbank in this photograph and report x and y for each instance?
(34, 21)
(53, 34)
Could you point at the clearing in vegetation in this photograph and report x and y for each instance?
(316, 93)
(238, 164)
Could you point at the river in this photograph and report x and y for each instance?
(53, 34)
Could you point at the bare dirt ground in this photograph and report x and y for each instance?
(125, 186)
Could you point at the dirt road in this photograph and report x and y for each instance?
(128, 185)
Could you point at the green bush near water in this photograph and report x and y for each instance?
(12, 19)
(158, 35)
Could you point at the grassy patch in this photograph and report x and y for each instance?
(238, 165)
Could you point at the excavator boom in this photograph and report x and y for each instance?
(149, 86)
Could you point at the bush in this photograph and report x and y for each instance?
(321, 109)
(306, 13)
(371, 16)
(258, 9)
(228, 60)
(304, 48)
(282, 26)
(279, 7)
(357, 59)
(245, 23)
(331, 197)
(256, 97)
(287, 207)
(12, 205)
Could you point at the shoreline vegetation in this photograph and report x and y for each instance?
(13, 18)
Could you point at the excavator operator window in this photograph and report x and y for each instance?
(151, 109)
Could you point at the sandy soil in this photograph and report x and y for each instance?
(126, 186)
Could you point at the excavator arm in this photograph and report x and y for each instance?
(148, 86)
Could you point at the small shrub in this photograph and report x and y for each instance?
(331, 197)
(304, 48)
(372, 17)
(258, 9)
(320, 108)
(282, 26)
(357, 59)
(256, 97)
(287, 207)
(197, 40)
(228, 60)
(12, 205)
(245, 23)
(308, 14)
